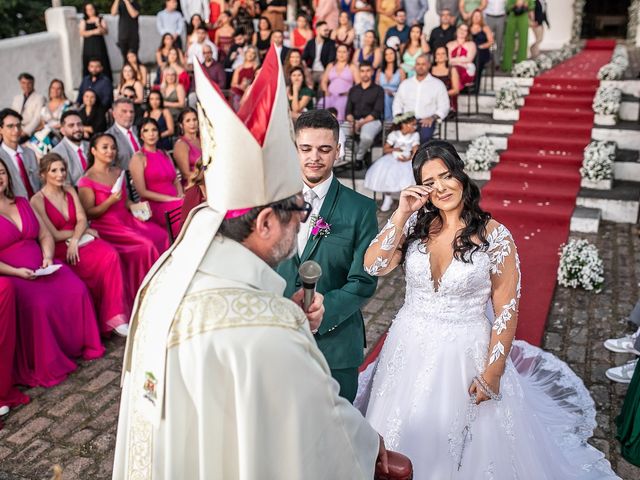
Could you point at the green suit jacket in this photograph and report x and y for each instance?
(344, 283)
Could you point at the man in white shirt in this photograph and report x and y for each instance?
(195, 49)
(21, 162)
(195, 7)
(170, 20)
(495, 15)
(277, 40)
(72, 148)
(425, 96)
(28, 104)
(123, 130)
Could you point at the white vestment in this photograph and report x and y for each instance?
(248, 395)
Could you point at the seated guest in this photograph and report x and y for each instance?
(174, 94)
(224, 32)
(236, 51)
(244, 11)
(447, 74)
(95, 262)
(262, 38)
(128, 80)
(213, 69)
(319, 52)
(300, 96)
(194, 54)
(244, 75)
(10, 396)
(368, 51)
(142, 74)
(462, 53)
(154, 174)
(162, 55)
(411, 50)
(389, 78)
(365, 109)
(482, 36)
(187, 150)
(196, 21)
(92, 114)
(423, 95)
(445, 32)
(124, 131)
(97, 82)
(138, 243)
(55, 320)
(344, 34)
(302, 32)
(398, 34)
(21, 163)
(293, 60)
(29, 103)
(174, 61)
(166, 126)
(277, 39)
(138, 111)
(48, 132)
(339, 77)
(73, 149)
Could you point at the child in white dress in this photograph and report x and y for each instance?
(393, 172)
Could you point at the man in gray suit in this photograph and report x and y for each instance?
(125, 133)
(21, 162)
(72, 148)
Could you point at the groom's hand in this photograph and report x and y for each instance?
(382, 462)
(315, 312)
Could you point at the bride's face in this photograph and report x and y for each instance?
(447, 190)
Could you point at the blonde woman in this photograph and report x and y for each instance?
(173, 92)
(244, 75)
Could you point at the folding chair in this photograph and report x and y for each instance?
(171, 218)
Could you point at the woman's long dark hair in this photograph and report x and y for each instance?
(8, 191)
(429, 221)
(92, 144)
(384, 65)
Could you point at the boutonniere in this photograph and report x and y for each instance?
(319, 227)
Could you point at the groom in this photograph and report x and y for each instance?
(338, 247)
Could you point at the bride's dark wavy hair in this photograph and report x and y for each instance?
(429, 221)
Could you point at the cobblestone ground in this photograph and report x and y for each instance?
(74, 424)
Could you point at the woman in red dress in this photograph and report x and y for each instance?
(302, 33)
(462, 54)
(243, 76)
(91, 258)
(103, 197)
(56, 322)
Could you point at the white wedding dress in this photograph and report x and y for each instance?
(416, 393)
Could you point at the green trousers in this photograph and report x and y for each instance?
(516, 25)
(348, 380)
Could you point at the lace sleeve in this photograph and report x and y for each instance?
(385, 250)
(505, 295)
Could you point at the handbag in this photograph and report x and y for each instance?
(400, 468)
(519, 10)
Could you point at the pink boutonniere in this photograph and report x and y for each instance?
(319, 227)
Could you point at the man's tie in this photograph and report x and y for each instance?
(305, 229)
(83, 160)
(23, 174)
(134, 144)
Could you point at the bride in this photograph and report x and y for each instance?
(451, 389)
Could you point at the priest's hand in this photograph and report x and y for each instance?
(315, 312)
(382, 462)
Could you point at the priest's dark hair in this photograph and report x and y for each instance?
(318, 119)
(240, 228)
(429, 221)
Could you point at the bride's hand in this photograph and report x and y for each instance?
(494, 385)
(413, 199)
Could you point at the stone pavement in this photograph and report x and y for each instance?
(74, 424)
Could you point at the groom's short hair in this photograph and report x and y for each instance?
(318, 119)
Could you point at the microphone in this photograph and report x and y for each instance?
(310, 272)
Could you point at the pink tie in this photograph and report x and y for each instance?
(83, 160)
(132, 139)
(23, 174)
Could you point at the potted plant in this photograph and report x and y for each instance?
(507, 99)
(606, 105)
(597, 165)
(479, 158)
(580, 266)
(544, 62)
(525, 69)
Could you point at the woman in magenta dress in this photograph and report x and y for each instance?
(97, 263)
(154, 175)
(138, 243)
(10, 396)
(55, 318)
(462, 54)
(337, 80)
(187, 150)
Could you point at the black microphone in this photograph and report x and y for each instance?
(310, 272)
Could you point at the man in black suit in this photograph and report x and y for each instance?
(277, 39)
(319, 51)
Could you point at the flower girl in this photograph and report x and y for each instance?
(392, 172)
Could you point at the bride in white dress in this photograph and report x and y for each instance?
(451, 389)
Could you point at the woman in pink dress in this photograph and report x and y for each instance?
(55, 318)
(154, 175)
(92, 259)
(338, 78)
(10, 396)
(462, 54)
(328, 11)
(138, 243)
(187, 151)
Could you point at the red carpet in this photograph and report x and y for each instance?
(534, 187)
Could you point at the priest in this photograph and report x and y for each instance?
(222, 378)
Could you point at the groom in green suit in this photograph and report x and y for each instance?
(338, 248)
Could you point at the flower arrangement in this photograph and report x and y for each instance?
(615, 69)
(607, 100)
(480, 155)
(507, 97)
(525, 69)
(580, 266)
(319, 227)
(598, 160)
(544, 62)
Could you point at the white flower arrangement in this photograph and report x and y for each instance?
(507, 97)
(525, 69)
(480, 155)
(581, 266)
(543, 61)
(615, 69)
(598, 161)
(607, 100)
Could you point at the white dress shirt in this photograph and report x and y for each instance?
(170, 22)
(316, 202)
(496, 8)
(424, 98)
(195, 51)
(12, 154)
